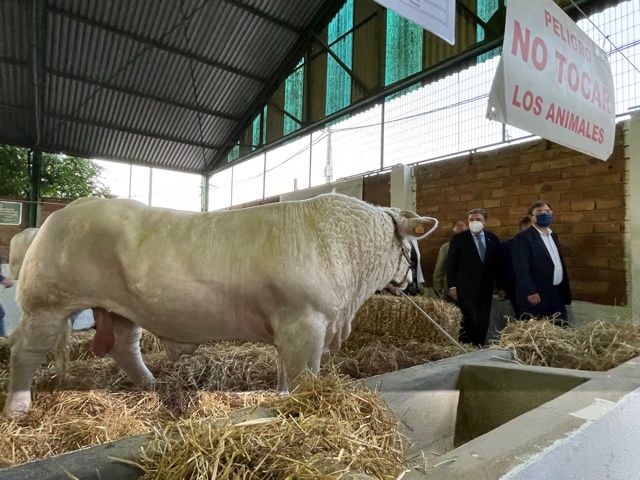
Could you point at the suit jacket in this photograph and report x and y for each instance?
(533, 267)
(467, 272)
(440, 273)
(508, 275)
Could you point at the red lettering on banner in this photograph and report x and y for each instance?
(529, 103)
(574, 122)
(522, 42)
(564, 33)
(585, 82)
(591, 90)
(574, 77)
(539, 47)
(562, 60)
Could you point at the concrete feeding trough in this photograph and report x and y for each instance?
(478, 415)
(482, 416)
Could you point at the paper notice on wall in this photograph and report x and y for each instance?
(436, 16)
(553, 80)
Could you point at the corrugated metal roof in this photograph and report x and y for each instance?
(157, 82)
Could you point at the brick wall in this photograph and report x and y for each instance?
(587, 196)
(376, 189)
(48, 206)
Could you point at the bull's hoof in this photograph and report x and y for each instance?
(17, 405)
(147, 385)
(14, 415)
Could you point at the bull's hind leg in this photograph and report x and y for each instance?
(35, 336)
(126, 351)
(300, 342)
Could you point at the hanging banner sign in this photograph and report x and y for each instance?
(436, 16)
(553, 80)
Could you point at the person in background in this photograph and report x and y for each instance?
(440, 272)
(507, 263)
(542, 283)
(417, 278)
(473, 268)
(7, 283)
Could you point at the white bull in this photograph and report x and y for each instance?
(291, 274)
(18, 249)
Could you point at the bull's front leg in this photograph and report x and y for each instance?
(299, 340)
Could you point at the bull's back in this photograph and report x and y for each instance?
(225, 270)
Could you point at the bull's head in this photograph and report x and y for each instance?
(409, 227)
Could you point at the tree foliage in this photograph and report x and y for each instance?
(62, 177)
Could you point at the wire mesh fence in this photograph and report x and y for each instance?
(425, 122)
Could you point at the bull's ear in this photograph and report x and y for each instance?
(414, 226)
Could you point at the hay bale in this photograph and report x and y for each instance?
(391, 320)
(378, 358)
(596, 346)
(326, 428)
(230, 366)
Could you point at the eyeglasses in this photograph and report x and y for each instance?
(540, 212)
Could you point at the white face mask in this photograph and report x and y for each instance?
(476, 226)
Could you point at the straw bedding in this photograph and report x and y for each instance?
(597, 346)
(92, 402)
(328, 427)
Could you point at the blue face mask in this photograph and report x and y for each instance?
(544, 219)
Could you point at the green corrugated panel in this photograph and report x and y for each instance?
(338, 80)
(256, 138)
(234, 153)
(293, 94)
(403, 56)
(486, 8)
(264, 124)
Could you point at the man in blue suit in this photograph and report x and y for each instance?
(542, 283)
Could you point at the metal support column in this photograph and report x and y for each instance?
(34, 192)
(204, 195)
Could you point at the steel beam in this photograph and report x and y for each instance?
(265, 16)
(461, 7)
(38, 52)
(14, 61)
(139, 94)
(284, 112)
(344, 66)
(134, 131)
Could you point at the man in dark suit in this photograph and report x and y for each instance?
(542, 283)
(473, 268)
(509, 276)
